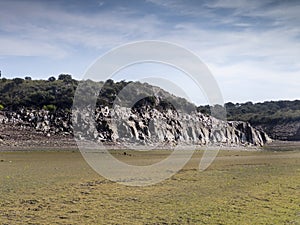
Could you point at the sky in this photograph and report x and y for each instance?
(252, 48)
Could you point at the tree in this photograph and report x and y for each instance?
(229, 105)
(109, 82)
(18, 80)
(65, 77)
(51, 79)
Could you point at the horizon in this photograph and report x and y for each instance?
(153, 84)
(251, 48)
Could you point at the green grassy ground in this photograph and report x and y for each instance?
(238, 188)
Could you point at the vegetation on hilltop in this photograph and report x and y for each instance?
(259, 113)
(58, 94)
(280, 119)
(53, 94)
(16, 93)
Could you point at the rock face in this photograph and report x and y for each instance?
(286, 131)
(41, 120)
(152, 126)
(143, 126)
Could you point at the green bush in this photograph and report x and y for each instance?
(50, 108)
(1, 107)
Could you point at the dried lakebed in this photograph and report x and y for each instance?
(238, 188)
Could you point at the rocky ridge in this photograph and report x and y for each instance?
(145, 126)
(285, 131)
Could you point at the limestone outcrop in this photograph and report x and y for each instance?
(144, 126)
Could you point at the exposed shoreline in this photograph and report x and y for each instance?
(15, 139)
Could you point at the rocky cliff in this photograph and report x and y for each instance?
(285, 130)
(279, 119)
(131, 126)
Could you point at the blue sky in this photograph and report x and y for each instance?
(251, 47)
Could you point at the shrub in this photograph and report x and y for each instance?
(18, 80)
(65, 77)
(1, 107)
(51, 79)
(50, 108)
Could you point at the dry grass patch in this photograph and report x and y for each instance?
(238, 188)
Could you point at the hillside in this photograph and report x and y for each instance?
(280, 119)
(58, 94)
(126, 113)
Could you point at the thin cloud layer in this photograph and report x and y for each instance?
(244, 43)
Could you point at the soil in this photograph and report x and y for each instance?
(13, 138)
(238, 188)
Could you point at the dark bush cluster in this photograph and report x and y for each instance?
(269, 112)
(53, 94)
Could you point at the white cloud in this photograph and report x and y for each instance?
(240, 5)
(13, 47)
(62, 29)
(257, 43)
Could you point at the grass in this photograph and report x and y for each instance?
(238, 188)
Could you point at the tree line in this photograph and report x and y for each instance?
(268, 112)
(58, 93)
(53, 94)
